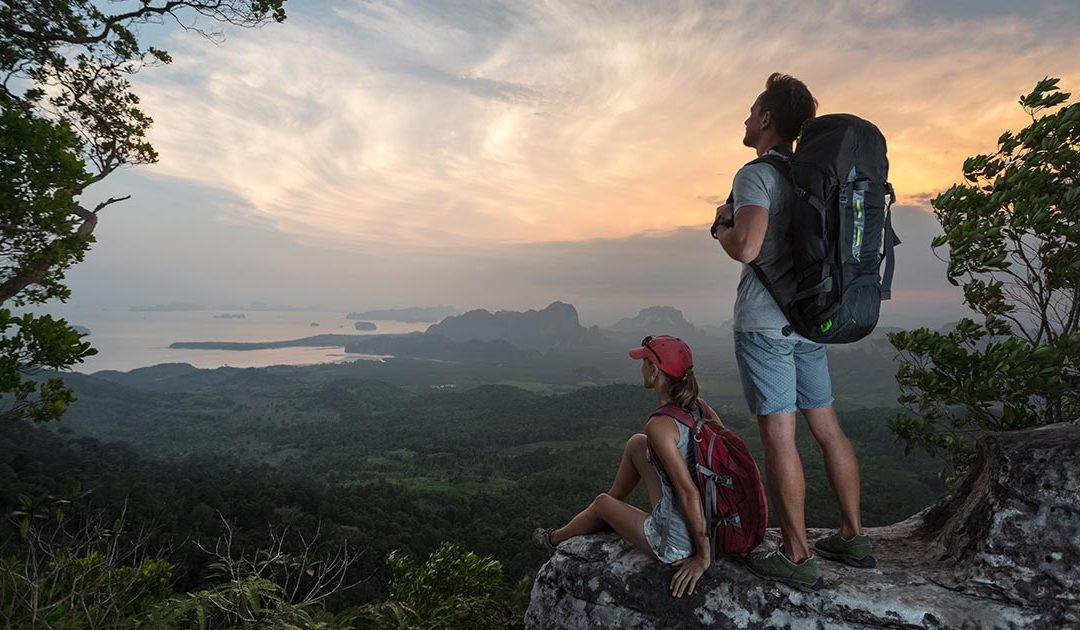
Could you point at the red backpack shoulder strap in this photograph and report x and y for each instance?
(708, 414)
(677, 413)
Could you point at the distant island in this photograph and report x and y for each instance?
(314, 323)
(82, 330)
(230, 316)
(177, 306)
(410, 315)
(263, 306)
(317, 341)
(428, 346)
(171, 307)
(364, 326)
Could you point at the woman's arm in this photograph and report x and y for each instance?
(664, 440)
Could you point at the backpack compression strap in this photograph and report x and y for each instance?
(890, 241)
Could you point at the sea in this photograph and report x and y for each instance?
(127, 339)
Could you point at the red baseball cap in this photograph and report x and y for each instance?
(668, 353)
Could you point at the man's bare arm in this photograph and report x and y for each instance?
(743, 241)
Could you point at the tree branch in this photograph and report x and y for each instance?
(220, 10)
(107, 26)
(36, 272)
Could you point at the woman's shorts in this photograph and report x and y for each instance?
(676, 545)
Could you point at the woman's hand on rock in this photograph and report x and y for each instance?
(689, 572)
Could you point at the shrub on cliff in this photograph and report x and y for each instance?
(1013, 237)
(454, 588)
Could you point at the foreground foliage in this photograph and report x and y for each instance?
(72, 567)
(453, 588)
(1013, 233)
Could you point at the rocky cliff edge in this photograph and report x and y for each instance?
(1001, 551)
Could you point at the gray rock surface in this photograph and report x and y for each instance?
(1001, 551)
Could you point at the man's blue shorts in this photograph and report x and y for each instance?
(781, 373)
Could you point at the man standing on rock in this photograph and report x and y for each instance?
(781, 372)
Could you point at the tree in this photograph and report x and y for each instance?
(1013, 232)
(68, 119)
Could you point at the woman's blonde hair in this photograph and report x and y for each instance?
(684, 391)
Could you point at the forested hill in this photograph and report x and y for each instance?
(381, 465)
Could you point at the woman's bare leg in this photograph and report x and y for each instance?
(635, 467)
(627, 520)
(611, 508)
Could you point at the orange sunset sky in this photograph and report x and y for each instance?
(505, 154)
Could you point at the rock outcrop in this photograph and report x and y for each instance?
(1001, 551)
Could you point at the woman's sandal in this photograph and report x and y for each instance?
(541, 537)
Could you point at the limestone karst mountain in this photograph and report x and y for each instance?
(556, 326)
(657, 320)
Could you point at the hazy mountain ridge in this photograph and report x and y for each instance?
(656, 320)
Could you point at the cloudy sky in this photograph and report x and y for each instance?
(507, 154)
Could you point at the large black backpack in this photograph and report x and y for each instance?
(830, 288)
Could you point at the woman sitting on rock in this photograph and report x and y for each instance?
(667, 367)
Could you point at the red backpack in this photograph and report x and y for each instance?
(728, 481)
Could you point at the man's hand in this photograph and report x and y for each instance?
(725, 218)
(743, 240)
(690, 571)
(725, 213)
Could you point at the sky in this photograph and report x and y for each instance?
(508, 154)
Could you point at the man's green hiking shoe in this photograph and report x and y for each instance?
(856, 551)
(774, 565)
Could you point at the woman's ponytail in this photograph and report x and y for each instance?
(685, 390)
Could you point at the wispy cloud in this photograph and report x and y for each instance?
(471, 124)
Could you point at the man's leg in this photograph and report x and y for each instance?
(815, 400)
(841, 466)
(767, 370)
(786, 484)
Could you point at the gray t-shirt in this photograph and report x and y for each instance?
(761, 185)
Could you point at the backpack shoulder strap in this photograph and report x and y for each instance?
(677, 413)
(710, 415)
(778, 162)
